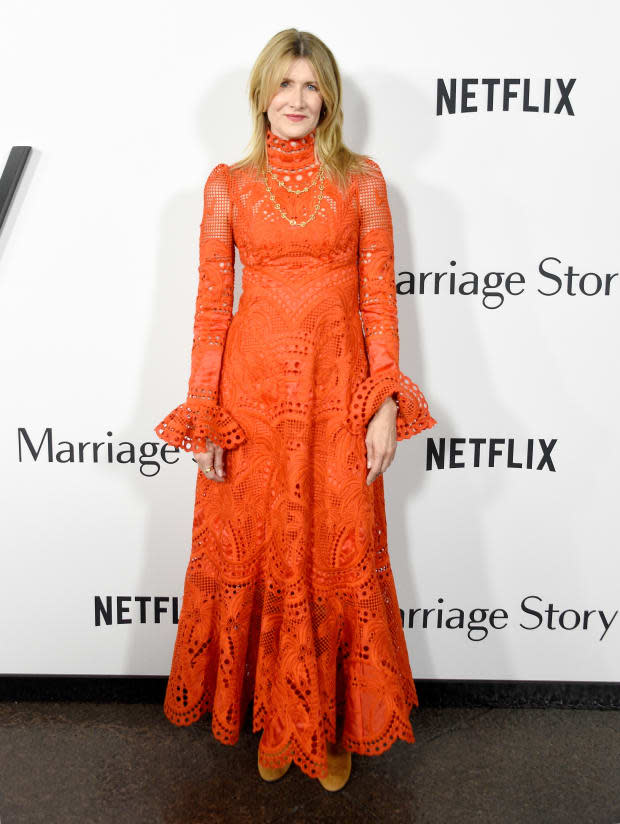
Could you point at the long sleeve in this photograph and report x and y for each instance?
(201, 416)
(378, 308)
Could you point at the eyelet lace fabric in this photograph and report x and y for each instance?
(289, 599)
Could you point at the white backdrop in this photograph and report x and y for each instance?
(127, 113)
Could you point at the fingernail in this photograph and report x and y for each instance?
(220, 472)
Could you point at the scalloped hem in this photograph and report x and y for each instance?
(293, 751)
(413, 413)
(397, 729)
(188, 427)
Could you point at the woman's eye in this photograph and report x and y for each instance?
(315, 87)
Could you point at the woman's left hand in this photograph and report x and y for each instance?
(381, 439)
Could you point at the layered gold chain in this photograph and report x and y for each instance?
(319, 177)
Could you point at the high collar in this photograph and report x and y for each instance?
(290, 152)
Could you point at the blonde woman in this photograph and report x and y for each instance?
(294, 409)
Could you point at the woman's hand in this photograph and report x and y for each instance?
(211, 462)
(381, 439)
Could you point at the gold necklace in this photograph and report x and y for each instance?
(292, 221)
(288, 188)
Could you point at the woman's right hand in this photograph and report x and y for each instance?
(211, 462)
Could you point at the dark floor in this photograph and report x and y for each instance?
(112, 762)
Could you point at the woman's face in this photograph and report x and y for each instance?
(298, 94)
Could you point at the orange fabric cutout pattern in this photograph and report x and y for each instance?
(289, 598)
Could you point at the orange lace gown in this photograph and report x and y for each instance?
(289, 598)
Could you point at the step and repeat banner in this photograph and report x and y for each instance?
(497, 135)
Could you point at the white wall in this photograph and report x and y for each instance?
(127, 108)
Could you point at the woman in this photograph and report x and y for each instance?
(289, 598)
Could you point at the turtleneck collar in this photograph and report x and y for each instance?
(290, 152)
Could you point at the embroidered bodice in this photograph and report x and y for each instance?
(344, 257)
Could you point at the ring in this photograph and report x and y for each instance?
(208, 469)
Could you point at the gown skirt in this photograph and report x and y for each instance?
(289, 600)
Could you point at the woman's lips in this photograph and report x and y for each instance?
(296, 116)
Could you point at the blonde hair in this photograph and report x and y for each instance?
(265, 78)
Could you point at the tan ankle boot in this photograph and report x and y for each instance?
(339, 765)
(271, 773)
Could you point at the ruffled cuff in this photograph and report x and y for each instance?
(413, 415)
(188, 425)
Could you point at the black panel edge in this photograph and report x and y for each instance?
(603, 695)
(11, 175)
